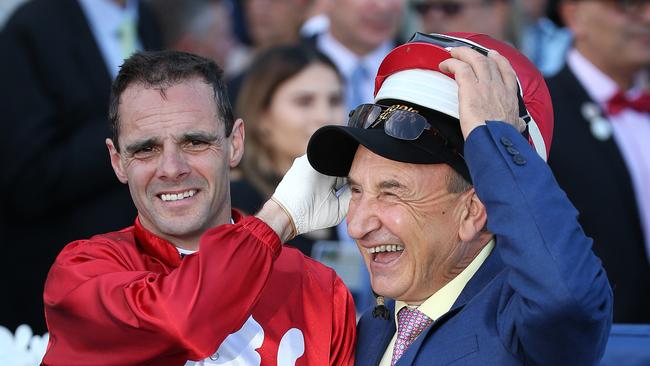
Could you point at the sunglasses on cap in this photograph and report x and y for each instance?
(449, 42)
(448, 8)
(400, 123)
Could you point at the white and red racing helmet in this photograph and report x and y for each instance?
(410, 73)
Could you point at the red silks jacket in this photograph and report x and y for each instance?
(127, 298)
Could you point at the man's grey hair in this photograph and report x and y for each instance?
(456, 183)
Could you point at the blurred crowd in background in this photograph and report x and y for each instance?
(291, 67)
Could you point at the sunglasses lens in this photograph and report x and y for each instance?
(405, 125)
(364, 115)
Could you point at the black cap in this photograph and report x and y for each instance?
(331, 149)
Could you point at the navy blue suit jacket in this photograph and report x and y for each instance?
(540, 298)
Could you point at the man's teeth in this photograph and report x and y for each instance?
(385, 248)
(177, 196)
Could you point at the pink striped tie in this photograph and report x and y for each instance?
(410, 323)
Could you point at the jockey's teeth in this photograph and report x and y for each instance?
(177, 196)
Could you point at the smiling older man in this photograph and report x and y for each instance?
(459, 219)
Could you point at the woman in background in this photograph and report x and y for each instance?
(288, 93)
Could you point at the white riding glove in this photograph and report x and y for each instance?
(310, 198)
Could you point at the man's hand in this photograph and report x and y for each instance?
(308, 198)
(487, 88)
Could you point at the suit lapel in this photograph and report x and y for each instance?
(414, 349)
(607, 150)
(492, 266)
(385, 336)
(377, 335)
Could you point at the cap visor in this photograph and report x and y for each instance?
(331, 149)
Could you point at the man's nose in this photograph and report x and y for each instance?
(173, 164)
(362, 218)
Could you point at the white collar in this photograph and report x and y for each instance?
(346, 60)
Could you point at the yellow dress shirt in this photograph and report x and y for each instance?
(441, 302)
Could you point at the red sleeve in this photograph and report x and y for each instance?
(344, 332)
(100, 311)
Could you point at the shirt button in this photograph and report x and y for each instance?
(506, 141)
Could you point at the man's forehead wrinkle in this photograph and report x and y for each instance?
(153, 113)
(197, 86)
(382, 180)
(382, 172)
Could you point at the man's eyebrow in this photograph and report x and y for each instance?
(138, 145)
(391, 184)
(385, 184)
(202, 136)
